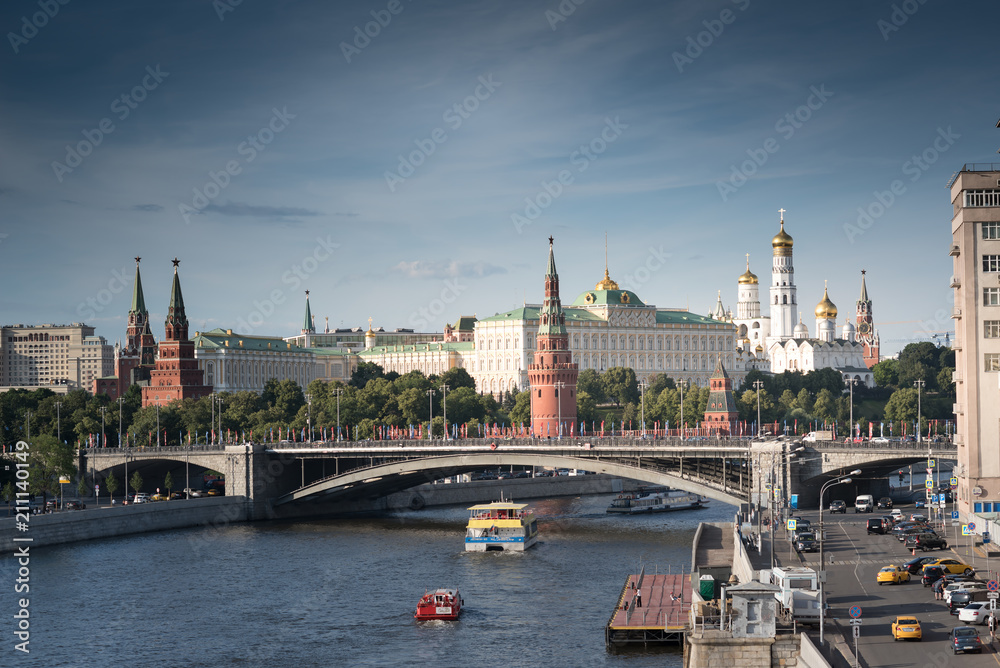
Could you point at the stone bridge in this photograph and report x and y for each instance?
(733, 471)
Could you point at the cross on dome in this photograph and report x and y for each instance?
(782, 212)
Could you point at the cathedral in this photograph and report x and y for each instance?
(780, 341)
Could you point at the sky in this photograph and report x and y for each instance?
(407, 160)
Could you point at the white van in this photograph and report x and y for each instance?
(865, 503)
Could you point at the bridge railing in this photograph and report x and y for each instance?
(167, 449)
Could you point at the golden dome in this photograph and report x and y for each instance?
(826, 308)
(606, 283)
(370, 334)
(748, 277)
(782, 239)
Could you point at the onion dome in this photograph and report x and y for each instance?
(748, 277)
(606, 283)
(758, 349)
(782, 239)
(800, 331)
(826, 308)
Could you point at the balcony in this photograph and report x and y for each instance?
(956, 376)
(955, 251)
(956, 313)
(956, 282)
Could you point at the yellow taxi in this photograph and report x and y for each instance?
(906, 627)
(893, 575)
(953, 566)
(159, 497)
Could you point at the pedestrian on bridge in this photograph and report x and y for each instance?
(638, 598)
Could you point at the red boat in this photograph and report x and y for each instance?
(443, 604)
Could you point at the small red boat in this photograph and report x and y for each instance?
(443, 604)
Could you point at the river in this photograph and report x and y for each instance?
(342, 592)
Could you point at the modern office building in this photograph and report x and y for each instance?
(58, 357)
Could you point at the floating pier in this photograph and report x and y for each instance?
(664, 615)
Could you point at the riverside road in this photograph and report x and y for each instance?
(853, 559)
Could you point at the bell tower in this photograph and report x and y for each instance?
(866, 333)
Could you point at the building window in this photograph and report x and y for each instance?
(991, 263)
(991, 231)
(992, 362)
(991, 296)
(991, 329)
(982, 198)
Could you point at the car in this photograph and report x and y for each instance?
(920, 503)
(965, 639)
(806, 542)
(953, 587)
(915, 565)
(884, 503)
(918, 517)
(196, 493)
(213, 492)
(897, 514)
(801, 524)
(178, 495)
(976, 612)
(963, 597)
(875, 525)
(159, 497)
(945, 580)
(75, 505)
(953, 566)
(926, 541)
(893, 575)
(838, 506)
(931, 574)
(911, 530)
(880, 440)
(906, 627)
(141, 497)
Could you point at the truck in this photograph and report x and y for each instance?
(814, 436)
(799, 595)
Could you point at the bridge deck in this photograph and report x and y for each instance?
(715, 548)
(665, 611)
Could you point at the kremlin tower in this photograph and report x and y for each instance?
(866, 333)
(137, 357)
(552, 376)
(721, 413)
(176, 375)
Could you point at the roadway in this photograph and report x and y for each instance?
(853, 559)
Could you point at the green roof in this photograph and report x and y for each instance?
(531, 313)
(686, 318)
(465, 323)
(433, 346)
(220, 339)
(330, 352)
(138, 301)
(605, 297)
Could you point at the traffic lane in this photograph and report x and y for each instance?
(851, 580)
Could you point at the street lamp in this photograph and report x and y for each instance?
(157, 425)
(309, 426)
(444, 402)
(337, 391)
(559, 385)
(643, 384)
(430, 416)
(822, 545)
(757, 385)
(919, 384)
(104, 440)
(851, 382)
(121, 401)
(683, 383)
(58, 422)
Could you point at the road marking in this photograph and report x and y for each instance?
(858, 563)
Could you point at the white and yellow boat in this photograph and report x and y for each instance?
(499, 526)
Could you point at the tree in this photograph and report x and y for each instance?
(111, 483)
(659, 382)
(589, 381)
(521, 413)
(620, 385)
(825, 407)
(944, 380)
(918, 361)
(135, 482)
(8, 492)
(886, 373)
(586, 407)
(365, 372)
(457, 377)
(168, 482)
(413, 405)
(47, 460)
(804, 401)
(630, 416)
(82, 487)
(787, 401)
(902, 405)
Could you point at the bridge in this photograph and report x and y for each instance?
(289, 475)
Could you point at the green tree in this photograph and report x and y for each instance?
(83, 488)
(886, 373)
(944, 380)
(47, 460)
(111, 484)
(412, 380)
(413, 405)
(620, 385)
(168, 482)
(902, 406)
(804, 401)
(657, 383)
(589, 381)
(586, 407)
(786, 402)
(457, 377)
(630, 415)
(522, 408)
(825, 407)
(919, 361)
(8, 493)
(365, 372)
(135, 482)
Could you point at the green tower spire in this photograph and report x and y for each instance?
(307, 324)
(138, 301)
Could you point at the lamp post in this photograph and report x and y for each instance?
(681, 388)
(822, 546)
(309, 426)
(337, 391)
(157, 425)
(851, 382)
(58, 422)
(430, 416)
(444, 404)
(757, 385)
(643, 384)
(121, 403)
(104, 440)
(559, 385)
(919, 384)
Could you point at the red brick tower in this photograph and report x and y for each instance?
(138, 356)
(176, 375)
(867, 334)
(552, 377)
(721, 413)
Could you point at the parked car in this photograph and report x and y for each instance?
(892, 575)
(196, 493)
(885, 503)
(214, 492)
(955, 586)
(965, 639)
(920, 503)
(178, 495)
(75, 505)
(931, 574)
(141, 497)
(918, 517)
(906, 627)
(915, 565)
(963, 597)
(926, 541)
(801, 524)
(947, 579)
(954, 566)
(974, 613)
(838, 506)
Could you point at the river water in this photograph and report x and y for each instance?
(342, 592)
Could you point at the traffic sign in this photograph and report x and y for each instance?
(857, 631)
(855, 611)
(929, 484)
(953, 482)
(930, 463)
(965, 530)
(993, 594)
(993, 585)
(993, 604)
(792, 524)
(934, 498)
(854, 622)
(972, 526)
(954, 514)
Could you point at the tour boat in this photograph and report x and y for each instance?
(443, 604)
(500, 526)
(656, 501)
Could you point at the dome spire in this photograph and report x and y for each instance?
(748, 277)
(782, 239)
(826, 309)
(606, 283)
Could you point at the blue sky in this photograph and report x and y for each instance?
(261, 143)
